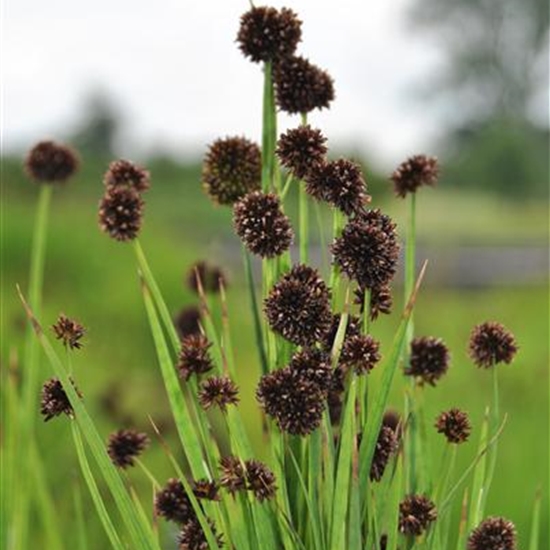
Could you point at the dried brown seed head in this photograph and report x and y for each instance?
(50, 162)
(54, 400)
(124, 173)
(455, 425)
(413, 173)
(492, 343)
(494, 533)
(125, 445)
(232, 476)
(429, 359)
(218, 391)
(360, 352)
(194, 356)
(205, 489)
(120, 213)
(192, 536)
(173, 504)
(380, 300)
(69, 331)
(416, 512)
(386, 445)
(260, 480)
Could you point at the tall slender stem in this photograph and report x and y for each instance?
(269, 130)
(410, 260)
(304, 215)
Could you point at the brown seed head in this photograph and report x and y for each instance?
(360, 352)
(353, 328)
(232, 168)
(125, 445)
(192, 536)
(261, 224)
(267, 34)
(341, 184)
(413, 173)
(429, 359)
(454, 425)
(380, 300)
(392, 419)
(260, 480)
(492, 343)
(173, 504)
(205, 489)
(232, 476)
(187, 321)
(386, 445)
(493, 533)
(120, 213)
(50, 162)
(313, 365)
(302, 150)
(54, 400)
(123, 173)
(194, 356)
(211, 277)
(220, 391)
(301, 87)
(298, 306)
(69, 331)
(416, 512)
(366, 253)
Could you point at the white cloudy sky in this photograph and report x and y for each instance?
(174, 70)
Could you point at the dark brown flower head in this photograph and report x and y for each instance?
(267, 34)
(380, 300)
(341, 184)
(366, 253)
(205, 489)
(260, 480)
(302, 150)
(50, 162)
(292, 400)
(173, 504)
(386, 445)
(429, 359)
(454, 425)
(413, 173)
(220, 391)
(298, 306)
(211, 277)
(187, 321)
(192, 536)
(194, 356)
(261, 224)
(416, 513)
(69, 331)
(120, 213)
(232, 476)
(492, 343)
(125, 445)
(493, 534)
(392, 419)
(301, 86)
(353, 328)
(360, 352)
(313, 365)
(232, 168)
(123, 173)
(376, 218)
(54, 400)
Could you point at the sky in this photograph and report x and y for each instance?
(173, 70)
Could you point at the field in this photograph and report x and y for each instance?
(94, 280)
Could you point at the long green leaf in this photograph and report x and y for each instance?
(535, 523)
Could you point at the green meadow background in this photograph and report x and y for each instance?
(94, 279)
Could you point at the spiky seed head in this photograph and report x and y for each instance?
(120, 213)
(386, 445)
(54, 400)
(232, 476)
(492, 343)
(416, 512)
(173, 504)
(493, 533)
(261, 224)
(218, 391)
(429, 359)
(231, 169)
(301, 87)
(381, 301)
(194, 356)
(341, 184)
(413, 173)
(260, 480)
(353, 328)
(302, 150)
(192, 536)
(205, 489)
(125, 445)
(210, 276)
(69, 331)
(124, 173)
(187, 321)
(313, 365)
(366, 253)
(298, 306)
(266, 34)
(360, 352)
(455, 425)
(50, 162)
(392, 419)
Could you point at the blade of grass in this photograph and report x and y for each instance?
(535, 523)
(395, 496)
(477, 498)
(80, 522)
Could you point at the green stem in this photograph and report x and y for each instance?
(337, 221)
(410, 261)
(492, 458)
(269, 129)
(304, 215)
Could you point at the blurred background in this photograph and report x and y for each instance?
(465, 80)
